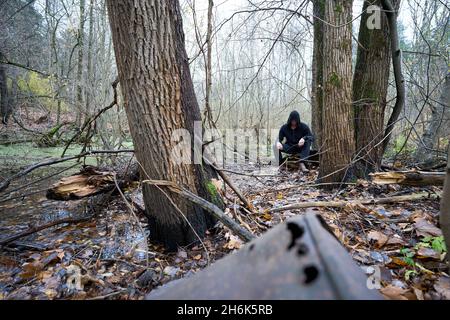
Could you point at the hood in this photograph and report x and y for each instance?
(294, 116)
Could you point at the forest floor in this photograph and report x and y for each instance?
(109, 257)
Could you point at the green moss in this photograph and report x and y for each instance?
(335, 80)
(339, 8)
(213, 193)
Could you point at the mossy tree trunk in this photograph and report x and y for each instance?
(370, 83)
(337, 114)
(159, 99)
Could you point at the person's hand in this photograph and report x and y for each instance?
(301, 143)
(279, 146)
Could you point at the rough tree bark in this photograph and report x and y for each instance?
(317, 73)
(370, 83)
(445, 210)
(159, 98)
(337, 116)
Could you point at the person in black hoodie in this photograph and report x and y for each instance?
(295, 138)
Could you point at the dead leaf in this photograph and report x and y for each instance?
(394, 293)
(425, 228)
(218, 184)
(233, 243)
(382, 240)
(398, 261)
(428, 253)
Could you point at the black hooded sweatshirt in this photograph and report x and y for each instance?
(293, 136)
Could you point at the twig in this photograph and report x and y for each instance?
(115, 293)
(94, 118)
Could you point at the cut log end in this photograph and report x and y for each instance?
(90, 181)
(409, 178)
(87, 183)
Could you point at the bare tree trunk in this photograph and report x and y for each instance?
(370, 83)
(159, 98)
(79, 91)
(89, 83)
(208, 67)
(3, 93)
(391, 8)
(337, 117)
(317, 73)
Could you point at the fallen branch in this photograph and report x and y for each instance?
(341, 204)
(244, 234)
(42, 227)
(236, 190)
(409, 178)
(227, 180)
(6, 182)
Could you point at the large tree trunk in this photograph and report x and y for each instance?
(445, 210)
(159, 99)
(337, 116)
(317, 73)
(370, 83)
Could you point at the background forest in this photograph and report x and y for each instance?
(92, 208)
(58, 66)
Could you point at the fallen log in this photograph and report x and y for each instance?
(4, 184)
(92, 181)
(297, 260)
(342, 204)
(409, 178)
